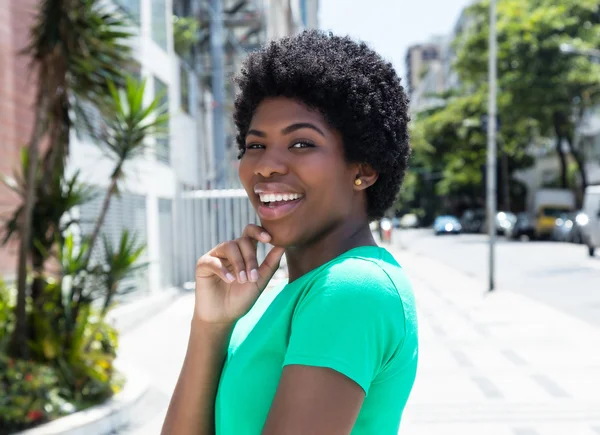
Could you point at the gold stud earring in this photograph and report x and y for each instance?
(358, 181)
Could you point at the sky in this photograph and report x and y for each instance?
(391, 26)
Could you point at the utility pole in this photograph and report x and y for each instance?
(505, 182)
(217, 47)
(491, 145)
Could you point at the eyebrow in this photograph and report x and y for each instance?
(289, 129)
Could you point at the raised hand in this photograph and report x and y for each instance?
(229, 279)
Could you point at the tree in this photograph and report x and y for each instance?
(186, 34)
(451, 140)
(536, 78)
(75, 46)
(128, 124)
(53, 204)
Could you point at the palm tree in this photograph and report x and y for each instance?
(75, 46)
(128, 124)
(53, 203)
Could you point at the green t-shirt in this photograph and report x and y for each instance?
(355, 314)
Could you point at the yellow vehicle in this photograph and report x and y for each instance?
(550, 204)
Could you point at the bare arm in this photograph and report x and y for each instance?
(191, 410)
(314, 400)
(228, 282)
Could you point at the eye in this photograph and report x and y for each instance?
(254, 146)
(302, 144)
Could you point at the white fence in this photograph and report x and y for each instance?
(205, 218)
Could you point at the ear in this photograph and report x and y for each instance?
(367, 176)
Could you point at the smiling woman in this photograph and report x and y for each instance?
(322, 123)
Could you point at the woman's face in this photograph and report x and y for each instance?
(295, 173)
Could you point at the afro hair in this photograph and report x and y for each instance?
(356, 91)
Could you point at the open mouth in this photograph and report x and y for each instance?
(275, 206)
(273, 200)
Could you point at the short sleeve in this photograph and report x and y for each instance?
(352, 323)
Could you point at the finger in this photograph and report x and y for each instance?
(230, 251)
(208, 265)
(248, 249)
(256, 232)
(269, 266)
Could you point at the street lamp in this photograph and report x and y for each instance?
(491, 144)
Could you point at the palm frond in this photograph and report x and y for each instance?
(81, 45)
(129, 122)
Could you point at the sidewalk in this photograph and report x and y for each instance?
(497, 363)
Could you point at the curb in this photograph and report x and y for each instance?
(101, 419)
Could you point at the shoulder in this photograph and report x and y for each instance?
(363, 288)
(378, 279)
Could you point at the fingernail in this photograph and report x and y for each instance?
(254, 275)
(265, 236)
(243, 277)
(230, 277)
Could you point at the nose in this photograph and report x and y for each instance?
(271, 163)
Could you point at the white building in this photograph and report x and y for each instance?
(146, 202)
(431, 83)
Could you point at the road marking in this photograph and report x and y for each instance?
(461, 358)
(550, 386)
(489, 389)
(438, 330)
(525, 431)
(514, 357)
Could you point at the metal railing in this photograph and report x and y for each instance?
(205, 218)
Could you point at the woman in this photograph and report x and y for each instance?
(323, 141)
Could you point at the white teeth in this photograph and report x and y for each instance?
(271, 197)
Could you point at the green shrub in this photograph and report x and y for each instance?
(7, 319)
(71, 369)
(29, 394)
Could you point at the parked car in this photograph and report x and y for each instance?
(446, 225)
(473, 220)
(409, 220)
(563, 227)
(568, 227)
(524, 228)
(579, 221)
(549, 205)
(504, 221)
(590, 218)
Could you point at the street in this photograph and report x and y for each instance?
(559, 274)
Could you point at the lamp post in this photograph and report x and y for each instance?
(491, 145)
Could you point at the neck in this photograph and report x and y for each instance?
(304, 258)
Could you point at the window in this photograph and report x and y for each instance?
(182, 8)
(184, 89)
(125, 212)
(159, 23)
(90, 122)
(163, 153)
(131, 9)
(429, 54)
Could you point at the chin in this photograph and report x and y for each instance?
(282, 235)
